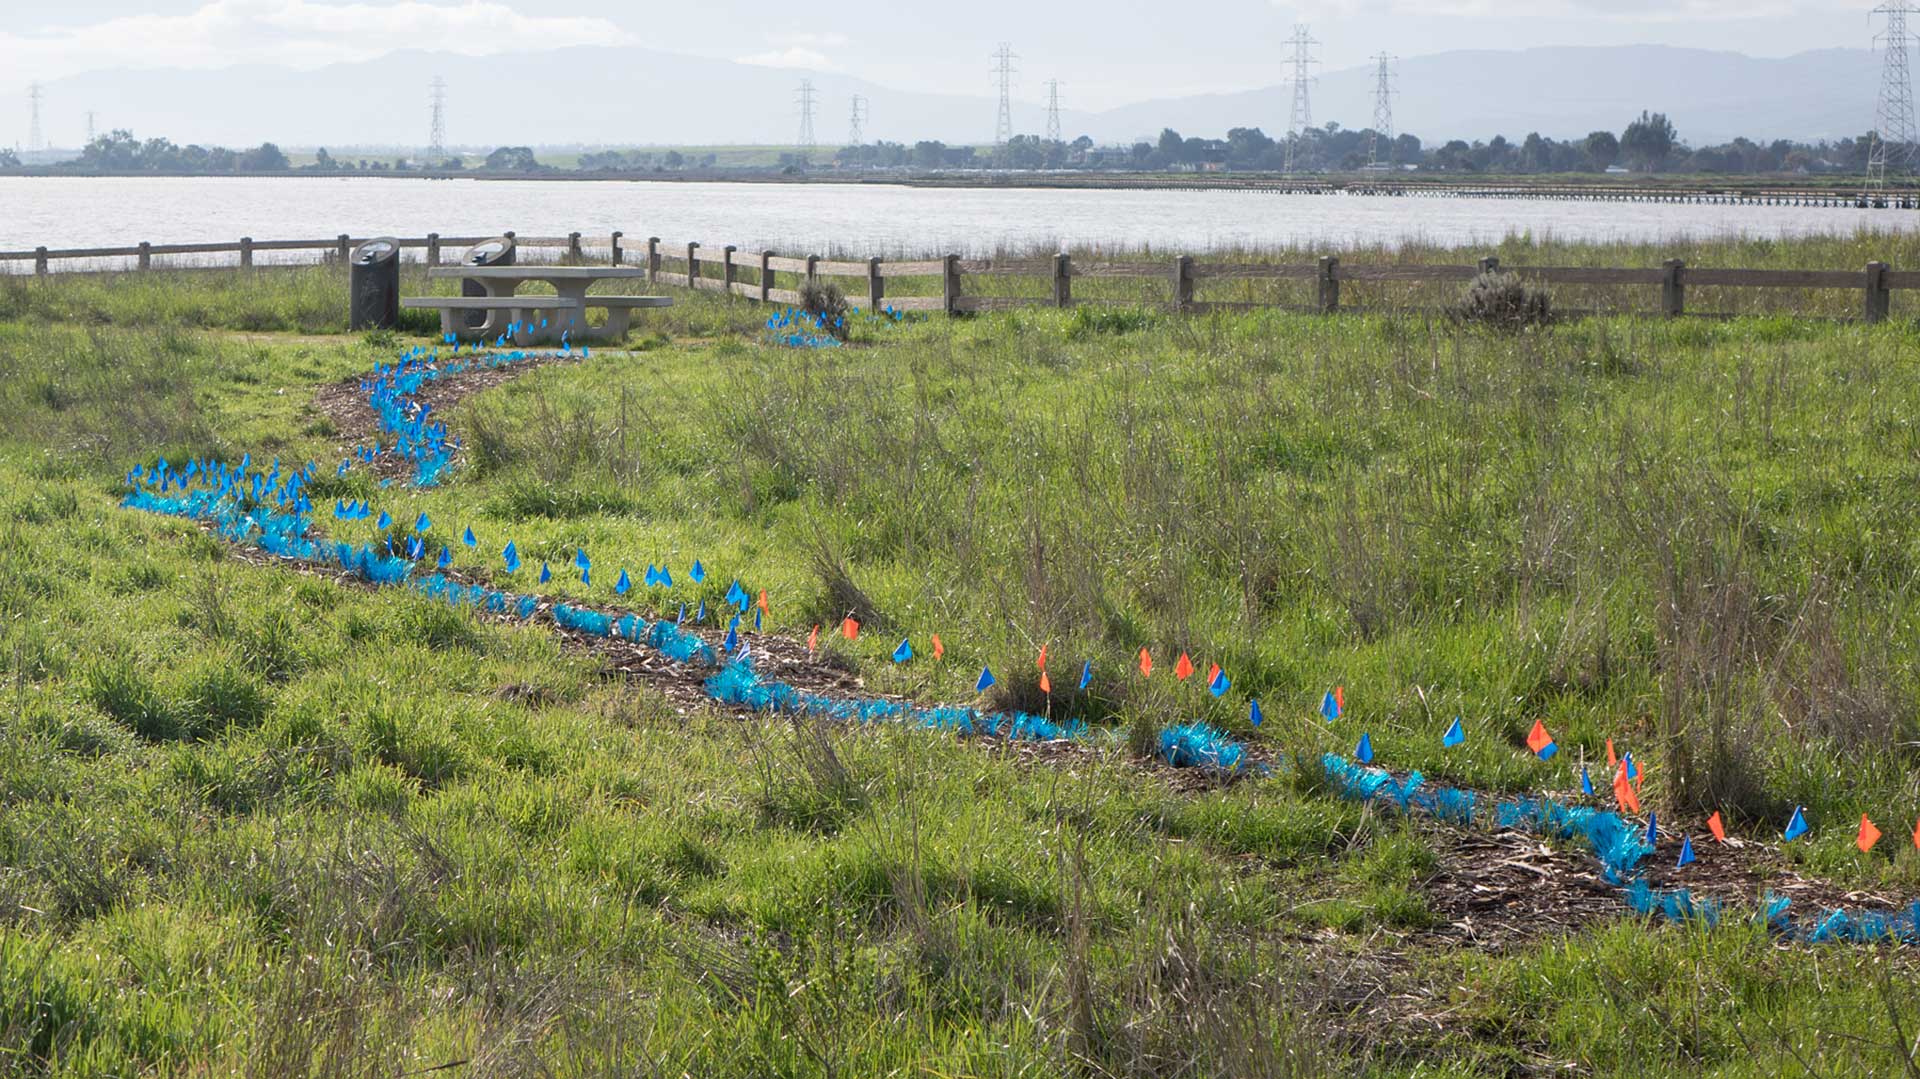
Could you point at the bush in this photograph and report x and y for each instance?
(824, 300)
(1503, 300)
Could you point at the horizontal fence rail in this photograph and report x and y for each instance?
(756, 275)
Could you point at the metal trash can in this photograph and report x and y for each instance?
(374, 285)
(495, 252)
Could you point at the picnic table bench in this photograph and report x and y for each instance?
(538, 316)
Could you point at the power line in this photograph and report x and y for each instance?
(804, 98)
(34, 139)
(1003, 71)
(1383, 92)
(1053, 110)
(437, 127)
(856, 125)
(1893, 129)
(1303, 60)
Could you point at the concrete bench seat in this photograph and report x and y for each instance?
(523, 313)
(620, 311)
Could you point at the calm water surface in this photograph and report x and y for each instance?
(80, 212)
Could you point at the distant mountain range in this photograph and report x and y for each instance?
(604, 96)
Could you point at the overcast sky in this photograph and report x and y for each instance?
(1104, 52)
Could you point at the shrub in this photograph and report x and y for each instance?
(1503, 300)
(824, 301)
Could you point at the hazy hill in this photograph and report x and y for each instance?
(629, 96)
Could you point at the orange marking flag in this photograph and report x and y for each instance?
(1183, 670)
(1916, 836)
(1623, 790)
(1718, 829)
(813, 639)
(1538, 739)
(938, 648)
(1046, 684)
(1042, 661)
(1613, 759)
(1146, 664)
(1869, 835)
(764, 609)
(1340, 699)
(850, 629)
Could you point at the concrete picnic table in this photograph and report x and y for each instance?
(570, 283)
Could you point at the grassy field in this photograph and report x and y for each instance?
(255, 821)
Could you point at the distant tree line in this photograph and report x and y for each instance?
(120, 151)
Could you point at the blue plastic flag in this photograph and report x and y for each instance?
(1253, 713)
(1219, 686)
(415, 548)
(652, 576)
(698, 572)
(904, 652)
(736, 595)
(1086, 674)
(422, 524)
(446, 558)
(546, 574)
(1797, 826)
(985, 682)
(756, 619)
(666, 577)
(1686, 850)
(586, 576)
(682, 616)
(1364, 751)
(1586, 782)
(620, 586)
(512, 556)
(580, 558)
(384, 522)
(733, 640)
(701, 615)
(734, 622)
(1653, 830)
(1329, 707)
(467, 537)
(1455, 734)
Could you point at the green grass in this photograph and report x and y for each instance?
(255, 822)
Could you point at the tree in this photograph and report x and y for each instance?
(512, 159)
(265, 157)
(8, 159)
(322, 160)
(1602, 149)
(1648, 141)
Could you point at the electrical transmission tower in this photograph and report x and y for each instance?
(1382, 110)
(1003, 70)
(1303, 60)
(1893, 129)
(1053, 110)
(437, 128)
(34, 139)
(856, 125)
(804, 98)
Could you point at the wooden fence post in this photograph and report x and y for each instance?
(1673, 288)
(146, 255)
(653, 259)
(574, 250)
(616, 246)
(1183, 283)
(876, 290)
(246, 252)
(433, 250)
(40, 261)
(1328, 299)
(1062, 280)
(766, 277)
(345, 244)
(1878, 299)
(1490, 264)
(693, 265)
(813, 274)
(726, 266)
(950, 284)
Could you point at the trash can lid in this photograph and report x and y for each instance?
(487, 251)
(375, 251)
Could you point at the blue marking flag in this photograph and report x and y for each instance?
(421, 524)
(512, 556)
(736, 596)
(384, 522)
(1455, 735)
(682, 616)
(1329, 708)
(1253, 713)
(666, 577)
(1797, 826)
(1653, 831)
(467, 537)
(904, 652)
(620, 586)
(986, 680)
(698, 572)
(653, 575)
(580, 558)
(1086, 674)
(756, 619)
(1364, 751)
(446, 558)
(1586, 782)
(586, 576)
(733, 639)
(1219, 686)
(702, 615)
(1686, 851)
(415, 548)
(546, 574)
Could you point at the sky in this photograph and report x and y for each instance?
(1104, 52)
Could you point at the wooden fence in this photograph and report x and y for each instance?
(756, 275)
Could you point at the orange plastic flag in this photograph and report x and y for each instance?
(813, 639)
(1539, 739)
(1869, 835)
(1213, 672)
(764, 609)
(1042, 661)
(1718, 829)
(1623, 790)
(850, 629)
(1146, 664)
(938, 648)
(1916, 836)
(1613, 759)
(1046, 685)
(1183, 669)
(1340, 698)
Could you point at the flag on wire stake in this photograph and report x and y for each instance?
(1686, 851)
(1796, 825)
(1455, 735)
(850, 629)
(1046, 684)
(511, 555)
(1146, 664)
(813, 639)
(763, 602)
(1653, 831)
(733, 639)
(1586, 782)
(904, 652)
(1340, 698)
(385, 522)
(1869, 835)
(621, 586)
(1253, 713)
(698, 573)
(1219, 684)
(1042, 661)
(1183, 668)
(421, 524)
(467, 537)
(545, 573)
(1623, 790)
(446, 558)
(756, 621)
(1086, 675)
(1364, 751)
(1718, 829)
(985, 682)
(1329, 707)
(1541, 742)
